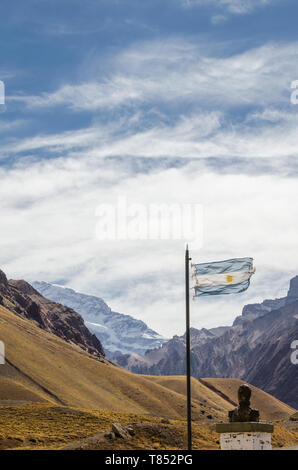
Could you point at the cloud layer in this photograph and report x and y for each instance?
(177, 99)
(233, 6)
(175, 71)
(169, 121)
(48, 213)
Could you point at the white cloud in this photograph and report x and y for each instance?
(48, 204)
(7, 126)
(175, 73)
(48, 232)
(178, 72)
(233, 6)
(268, 133)
(208, 135)
(218, 19)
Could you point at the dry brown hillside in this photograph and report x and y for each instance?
(271, 409)
(41, 367)
(47, 368)
(53, 393)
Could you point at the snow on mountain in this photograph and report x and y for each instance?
(118, 333)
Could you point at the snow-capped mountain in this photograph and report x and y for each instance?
(117, 332)
(23, 300)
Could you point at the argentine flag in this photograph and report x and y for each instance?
(223, 277)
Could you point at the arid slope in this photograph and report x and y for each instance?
(41, 367)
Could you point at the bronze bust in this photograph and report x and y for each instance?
(244, 413)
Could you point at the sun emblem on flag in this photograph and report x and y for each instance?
(229, 278)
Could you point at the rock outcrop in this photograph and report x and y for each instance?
(293, 291)
(22, 299)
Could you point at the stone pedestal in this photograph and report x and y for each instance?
(245, 436)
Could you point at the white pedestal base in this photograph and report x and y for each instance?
(245, 441)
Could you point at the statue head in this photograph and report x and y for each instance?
(244, 394)
(243, 412)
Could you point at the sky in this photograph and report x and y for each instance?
(188, 103)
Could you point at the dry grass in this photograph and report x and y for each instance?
(44, 426)
(72, 396)
(206, 399)
(271, 409)
(283, 437)
(60, 373)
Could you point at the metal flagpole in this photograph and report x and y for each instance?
(189, 439)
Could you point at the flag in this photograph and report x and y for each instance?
(223, 277)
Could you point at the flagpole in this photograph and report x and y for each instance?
(188, 383)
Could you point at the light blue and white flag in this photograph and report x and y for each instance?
(223, 277)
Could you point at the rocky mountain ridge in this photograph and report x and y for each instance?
(23, 300)
(257, 348)
(119, 333)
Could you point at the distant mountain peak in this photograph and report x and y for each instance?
(22, 299)
(252, 311)
(3, 278)
(118, 332)
(293, 290)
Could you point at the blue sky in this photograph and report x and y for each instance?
(168, 101)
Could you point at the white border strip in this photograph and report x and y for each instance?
(2, 353)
